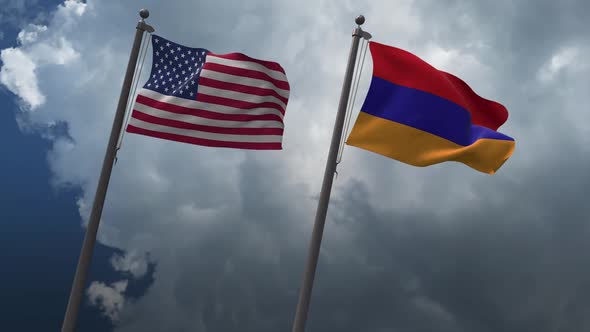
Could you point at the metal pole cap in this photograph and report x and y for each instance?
(360, 20)
(144, 13)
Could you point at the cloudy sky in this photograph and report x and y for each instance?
(201, 239)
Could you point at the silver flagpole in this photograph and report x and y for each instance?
(77, 291)
(320, 218)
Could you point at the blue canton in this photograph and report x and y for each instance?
(175, 68)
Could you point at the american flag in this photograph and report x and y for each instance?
(218, 100)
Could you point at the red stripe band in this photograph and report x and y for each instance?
(406, 69)
(210, 129)
(241, 88)
(204, 142)
(245, 73)
(237, 103)
(242, 57)
(204, 113)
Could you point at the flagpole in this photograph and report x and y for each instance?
(322, 210)
(77, 291)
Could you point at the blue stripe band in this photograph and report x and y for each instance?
(424, 111)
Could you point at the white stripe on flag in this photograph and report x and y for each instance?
(206, 135)
(199, 105)
(246, 65)
(207, 90)
(187, 118)
(254, 82)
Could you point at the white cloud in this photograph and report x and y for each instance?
(131, 262)
(560, 60)
(30, 34)
(73, 7)
(108, 299)
(39, 48)
(18, 75)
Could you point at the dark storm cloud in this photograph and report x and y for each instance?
(242, 275)
(515, 266)
(405, 249)
(512, 259)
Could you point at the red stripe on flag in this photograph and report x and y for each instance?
(206, 114)
(245, 73)
(205, 142)
(241, 88)
(210, 129)
(406, 69)
(237, 103)
(242, 57)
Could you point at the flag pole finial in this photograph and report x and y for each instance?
(144, 13)
(359, 20)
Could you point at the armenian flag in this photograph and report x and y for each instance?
(422, 116)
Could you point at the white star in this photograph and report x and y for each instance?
(161, 48)
(157, 53)
(183, 72)
(180, 65)
(167, 44)
(192, 94)
(170, 79)
(179, 82)
(174, 86)
(186, 61)
(177, 76)
(178, 48)
(157, 86)
(167, 73)
(171, 51)
(154, 76)
(181, 91)
(193, 58)
(174, 69)
(149, 84)
(193, 82)
(156, 65)
(165, 67)
(176, 58)
(156, 40)
(166, 55)
(162, 60)
(182, 55)
(166, 89)
(161, 77)
(159, 71)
